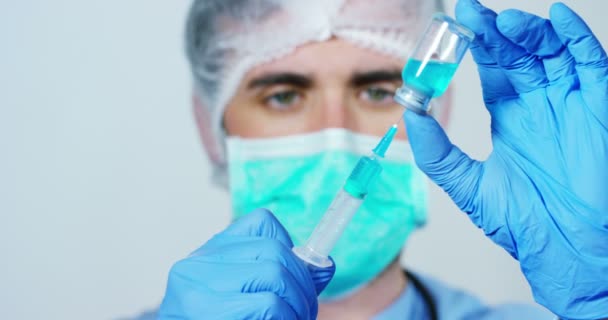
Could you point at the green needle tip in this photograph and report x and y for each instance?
(385, 142)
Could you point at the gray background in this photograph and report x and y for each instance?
(103, 182)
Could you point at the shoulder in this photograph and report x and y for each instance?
(452, 303)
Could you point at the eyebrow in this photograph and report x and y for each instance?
(305, 82)
(366, 78)
(285, 78)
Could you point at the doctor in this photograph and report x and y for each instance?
(286, 90)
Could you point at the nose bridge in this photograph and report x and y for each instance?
(334, 108)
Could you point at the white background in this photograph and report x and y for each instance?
(103, 182)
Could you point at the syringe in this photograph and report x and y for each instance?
(344, 206)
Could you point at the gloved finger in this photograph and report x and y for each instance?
(322, 276)
(524, 71)
(443, 162)
(192, 303)
(260, 223)
(261, 305)
(218, 276)
(590, 57)
(494, 83)
(242, 249)
(537, 36)
(531, 32)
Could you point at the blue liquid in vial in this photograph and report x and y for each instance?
(431, 79)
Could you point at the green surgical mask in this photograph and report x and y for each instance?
(296, 177)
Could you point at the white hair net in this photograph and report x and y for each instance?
(226, 38)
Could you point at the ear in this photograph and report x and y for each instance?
(203, 118)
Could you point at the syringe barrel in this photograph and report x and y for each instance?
(334, 222)
(342, 209)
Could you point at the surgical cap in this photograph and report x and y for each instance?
(227, 38)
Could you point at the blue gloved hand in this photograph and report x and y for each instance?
(248, 271)
(542, 193)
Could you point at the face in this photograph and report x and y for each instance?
(330, 84)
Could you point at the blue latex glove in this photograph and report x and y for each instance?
(542, 193)
(248, 271)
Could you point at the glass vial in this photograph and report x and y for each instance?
(432, 65)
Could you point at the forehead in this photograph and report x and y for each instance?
(333, 57)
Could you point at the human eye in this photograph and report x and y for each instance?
(377, 95)
(283, 100)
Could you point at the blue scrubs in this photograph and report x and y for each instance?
(450, 304)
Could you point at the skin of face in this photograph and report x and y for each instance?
(329, 84)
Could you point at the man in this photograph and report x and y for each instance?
(290, 93)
